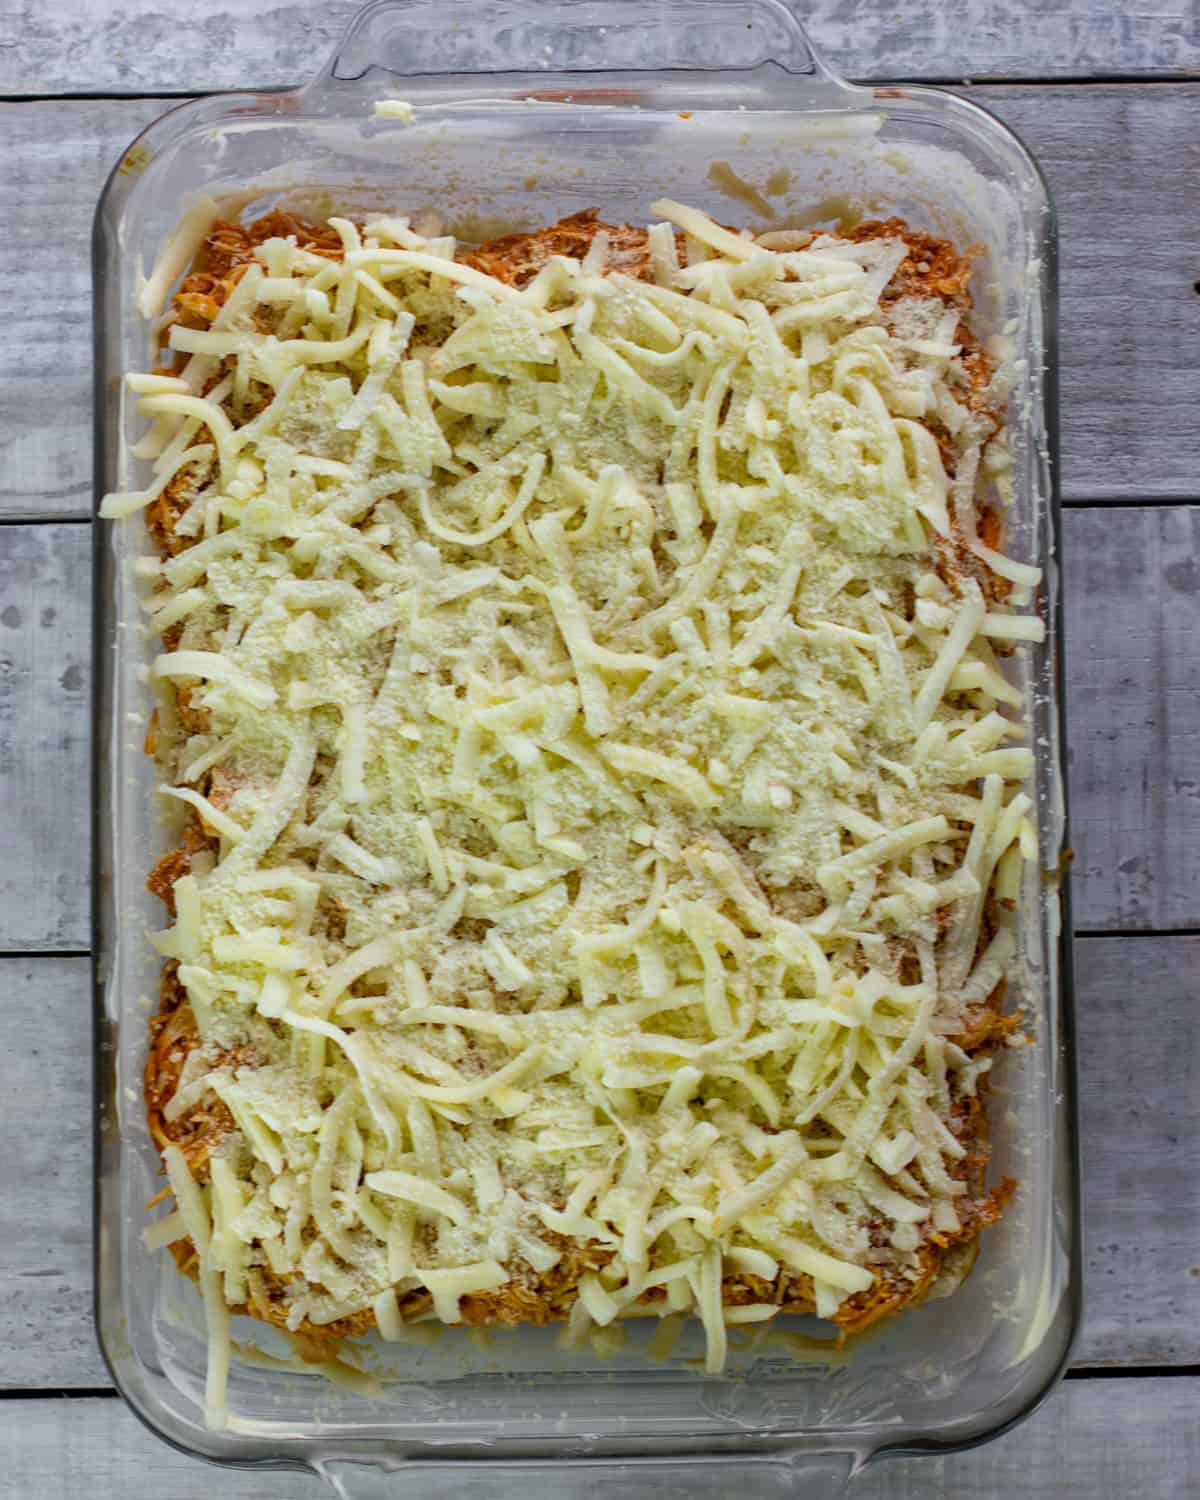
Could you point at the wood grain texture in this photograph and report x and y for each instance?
(55, 159)
(1117, 160)
(1093, 1440)
(1139, 1099)
(1140, 1070)
(1116, 157)
(151, 46)
(45, 645)
(1132, 585)
(1133, 674)
(46, 1336)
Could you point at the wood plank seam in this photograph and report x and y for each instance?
(32, 953)
(1135, 932)
(961, 82)
(1145, 502)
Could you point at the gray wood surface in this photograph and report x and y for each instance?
(1132, 588)
(46, 1337)
(1123, 160)
(1133, 674)
(54, 160)
(1139, 1059)
(45, 674)
(1139, 1106)
(152, 46)
(1092, 1438)
(1119, 159)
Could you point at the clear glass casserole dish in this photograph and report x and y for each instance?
(525, 113)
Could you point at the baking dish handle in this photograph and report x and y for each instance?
(478, 38)
(779, 1476)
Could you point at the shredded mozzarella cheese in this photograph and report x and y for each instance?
(588, 772)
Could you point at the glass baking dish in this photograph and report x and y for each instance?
(527, 112)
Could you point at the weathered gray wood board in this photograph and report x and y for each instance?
(151, 46)
(1123, 161)
(1132, 584)
(1092, 1438)
(45, 671)
(46, 1336)
(1133, 674)
(54, 160)
(1139, 1106)
(1139, 1062)
(1119, 159)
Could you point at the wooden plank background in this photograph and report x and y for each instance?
(45, 682)
(1123, 159)
(159, 46)
(1122, 1437)
(1132, 589)
(1117, 159)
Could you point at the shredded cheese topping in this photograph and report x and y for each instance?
(600, 756)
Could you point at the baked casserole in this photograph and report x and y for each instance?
(583, 684)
